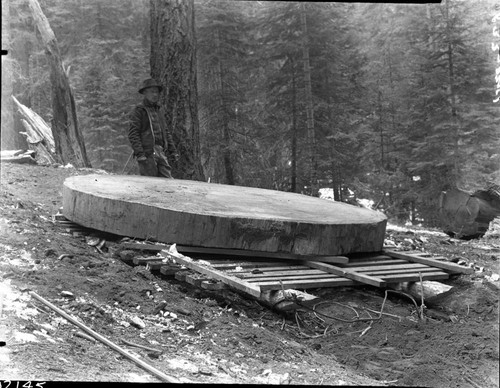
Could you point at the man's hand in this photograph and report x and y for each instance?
(142, 159)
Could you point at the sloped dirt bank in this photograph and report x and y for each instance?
(222, 337)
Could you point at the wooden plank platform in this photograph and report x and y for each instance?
(378, 270)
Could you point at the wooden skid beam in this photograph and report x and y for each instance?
(250, 275)
(170, 269)
(347, 273)
(291, 277)
(215, 274)
(144, 247)
(154, 266)
(195, 279)
(388, 261)
(146, 260)
(416, 257)
(245, 265)
(237, 252)
(415, 266)
(401, 270)
(303, 284)
(398, 278)
(271, 269)
(367, 257)
(212, 285)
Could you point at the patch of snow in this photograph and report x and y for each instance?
(6, 247)
(185, 365)
(135, 378)
(366, 203)
(397, 228)
(326, 193)
(25, 337)
(4, 356)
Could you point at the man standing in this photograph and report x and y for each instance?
(148, 133)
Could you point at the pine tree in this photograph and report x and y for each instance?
(223, 49)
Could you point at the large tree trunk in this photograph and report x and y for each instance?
(173, 63)
(309, 105)
(452, 94)
(293, 173)
(10, 138)
(228, 167)
(67, 135)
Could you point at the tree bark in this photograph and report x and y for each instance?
(452, 93)
(228, 167)
(67, 135)
(10, 138)
(309, 105)
(38, 134)
(334, 165)
(173, 64)
(293, 188)
(381, 130)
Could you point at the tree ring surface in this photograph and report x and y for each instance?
(223, 216)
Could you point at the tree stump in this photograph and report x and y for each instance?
(214, 215)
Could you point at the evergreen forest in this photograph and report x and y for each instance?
(388, 102)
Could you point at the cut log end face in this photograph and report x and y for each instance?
(221, 216)
(465, 216)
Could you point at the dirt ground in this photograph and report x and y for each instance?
(222, 337)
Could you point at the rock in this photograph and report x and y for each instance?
(127, 256)
(92, 240)
(137, 322)
(160, 307)
(67, 294)
(183, 311)
(436, 314)
(49, 252)
(493, 278)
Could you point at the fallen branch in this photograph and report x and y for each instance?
(389, 315)
(422, 305)
(105, 341)
(85, 336)
(141, 346)
(38, 133)
(364, 331)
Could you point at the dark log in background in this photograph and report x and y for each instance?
(467, 216)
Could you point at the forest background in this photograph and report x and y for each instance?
(402, 94)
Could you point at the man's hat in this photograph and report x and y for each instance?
(150, 83)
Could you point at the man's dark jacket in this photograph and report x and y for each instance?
(140, 132)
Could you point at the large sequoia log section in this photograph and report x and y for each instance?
(214, 215)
